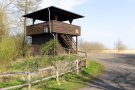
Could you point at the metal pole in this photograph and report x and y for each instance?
(50, 27)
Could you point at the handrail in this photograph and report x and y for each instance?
(71, 39)
(65, 40)
(25, 73)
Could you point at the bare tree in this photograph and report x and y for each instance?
(14, 10)
(8, 50)
(4, 20)
(120, 46)
(24, 7)
(3, 27)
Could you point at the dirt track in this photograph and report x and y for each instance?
(119, 72)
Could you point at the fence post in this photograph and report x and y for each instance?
(77, 67)
(86, 59)
(29, 81)
(57, 74)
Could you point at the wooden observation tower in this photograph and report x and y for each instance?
(54, 27)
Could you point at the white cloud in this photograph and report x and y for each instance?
(65, 4)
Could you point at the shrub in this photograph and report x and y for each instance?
(8, 52)
(34, 63)
(48, 48)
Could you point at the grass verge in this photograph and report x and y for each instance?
(34, 63)
(71, 81)
(30, 64)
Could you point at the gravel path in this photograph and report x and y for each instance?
(119, 73)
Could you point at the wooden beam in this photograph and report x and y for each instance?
(70, 21)
(33, 21)
(56, 43)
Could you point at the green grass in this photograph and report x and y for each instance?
(30, 64)
(12, 83)
(34, 63)
(72, 81)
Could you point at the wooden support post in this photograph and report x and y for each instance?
(70, 21)
(57, 74)
(29, 81)
(86, 59)
(64, 51)
(86, 63)
(54, 38)
(77, 67)
(56, 44)
(34, 21)
(76, 45)
(69, 52)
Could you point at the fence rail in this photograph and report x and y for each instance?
(47, 73)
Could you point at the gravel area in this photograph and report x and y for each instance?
(119, 72)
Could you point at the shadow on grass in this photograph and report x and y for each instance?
(92, 81)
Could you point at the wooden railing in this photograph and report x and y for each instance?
(37, 29)
(46, 73)
(65, 28)
(56, 26)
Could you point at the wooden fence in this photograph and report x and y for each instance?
(39, 75)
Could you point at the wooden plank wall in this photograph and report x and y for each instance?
(57, 27)
(65, 28)
(37, 29)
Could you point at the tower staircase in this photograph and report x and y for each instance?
(70, 42)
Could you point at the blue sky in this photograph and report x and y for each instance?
(106, 21)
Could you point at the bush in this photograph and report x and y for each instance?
(23, 49)
(34, 63)
(8, 52)
(48, 48)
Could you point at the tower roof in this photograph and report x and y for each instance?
(60, 14)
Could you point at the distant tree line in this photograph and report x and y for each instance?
(91, 46)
